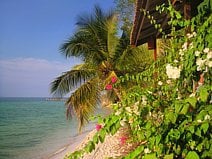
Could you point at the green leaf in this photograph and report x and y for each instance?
(157, 139)
(178, 15)
(192, 101)
(191, 129)
(178, 107)
(170, 156)
(184, 109)
(199, 147)
(203, 94)
(90, 146)
(148, 133)
(204, 127)
(102, 136)
(113, 129)
(135, 153)
(150, 156)
(172, 117)
(96, 139)
(192, 155)
(174, 134)
(198, 132)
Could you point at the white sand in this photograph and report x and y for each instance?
(111, 147)
(59, 154)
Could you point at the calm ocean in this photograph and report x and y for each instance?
(32, 128)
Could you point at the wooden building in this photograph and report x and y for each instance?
(144, 31)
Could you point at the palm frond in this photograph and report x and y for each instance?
(94, 38)
(71, 79)
(112, 39)
(132, 60)
(122, 45)
(84, 101)
(77, 45)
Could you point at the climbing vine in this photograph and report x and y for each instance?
(168, 110)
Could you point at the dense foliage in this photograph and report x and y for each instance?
(168, 107)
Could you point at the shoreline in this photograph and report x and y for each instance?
(111, 147)
(70, 147)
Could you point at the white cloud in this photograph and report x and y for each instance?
(29, 76)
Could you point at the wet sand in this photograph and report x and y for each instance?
(71, 147)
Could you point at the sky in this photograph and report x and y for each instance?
(31, 32)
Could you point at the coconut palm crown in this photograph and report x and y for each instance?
(104, 55)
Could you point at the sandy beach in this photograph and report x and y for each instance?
(111, 147)
(71, 147)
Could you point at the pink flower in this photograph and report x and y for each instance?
(123, 140)
(109, 87)
(98, 127)
(113, 79)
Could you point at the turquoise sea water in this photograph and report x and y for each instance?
(33, 128)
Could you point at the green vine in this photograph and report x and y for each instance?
(168, 115)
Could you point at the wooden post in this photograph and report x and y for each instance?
(187, 10)
(152, 45)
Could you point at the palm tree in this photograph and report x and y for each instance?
(104, 55)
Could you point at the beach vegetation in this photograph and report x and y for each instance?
(168, 107)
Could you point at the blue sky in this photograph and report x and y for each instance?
(31, 32)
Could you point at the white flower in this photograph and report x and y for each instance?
(149, 92)
(189, 35)
(199, 121)
(131, 120)
(144, 100)
(146, 150)
(209, 63)
(160, 83)
(176, 61)
(179, 97)
(181, 67)
(128, 109)
(172, 72)
(122, 123)
(185, 46)
(209, 55)
(136, 104)
(191, 45)
(168, 81)
(150, 113)
(136, 112)
(199, 68)
(192, 95)
(200, 63)
(181, 52)
(135, 108)
(118, 113)
(206, 50)
(197, 53)
(194, 34)
(207, 117)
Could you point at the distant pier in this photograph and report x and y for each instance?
(56, 99)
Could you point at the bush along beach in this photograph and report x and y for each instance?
(165, 109)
